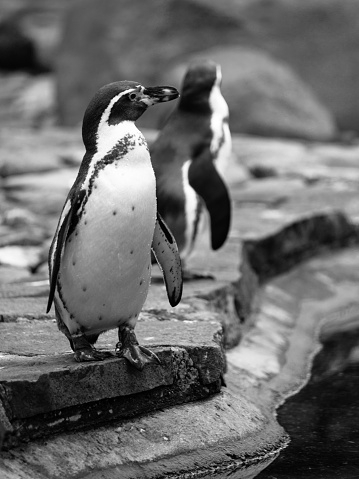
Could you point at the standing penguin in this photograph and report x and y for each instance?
(100, 257)
(193, 144)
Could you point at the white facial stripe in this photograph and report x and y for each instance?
(106, 114)
(109, 135)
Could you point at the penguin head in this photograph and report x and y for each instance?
(121, 101)
(199, 81)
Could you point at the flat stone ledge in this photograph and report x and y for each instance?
(208, 438)
(48, 393)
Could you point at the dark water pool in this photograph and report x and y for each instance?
(323, 418)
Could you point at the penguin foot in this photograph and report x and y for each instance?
(135, 354)
(84, 351)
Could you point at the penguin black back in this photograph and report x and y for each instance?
(197, 86)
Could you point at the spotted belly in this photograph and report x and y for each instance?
(105, 270)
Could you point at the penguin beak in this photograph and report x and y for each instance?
(158, 94)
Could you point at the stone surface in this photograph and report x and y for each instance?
(9, 274)
(20, 256)
(36, 152)
(35, 104)
(298, 160)
(319, 39)
(265, 96)
(299, 240)
(199, 439)
(45, 194)
(27, 100)
(299, 310)
(44, 391)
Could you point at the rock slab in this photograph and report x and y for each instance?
(42, 394)
(209, 438)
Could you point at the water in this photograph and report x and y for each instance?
(323, 418)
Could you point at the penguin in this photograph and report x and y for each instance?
(189, 157)
(100, 256)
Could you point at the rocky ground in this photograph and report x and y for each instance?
(290, 66)
(293, 202)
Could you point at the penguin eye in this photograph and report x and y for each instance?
(132, 96)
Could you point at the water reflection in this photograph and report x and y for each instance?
(323, 419)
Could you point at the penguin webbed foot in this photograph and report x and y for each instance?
(85, 351)
(128, 348)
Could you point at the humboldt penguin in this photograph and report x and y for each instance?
(100, 257)
(189, 157)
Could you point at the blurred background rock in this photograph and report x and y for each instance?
(290, 66)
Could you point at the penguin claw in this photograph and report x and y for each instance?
(151, 354)
(84, 351)
(91, 355)
(137, 355)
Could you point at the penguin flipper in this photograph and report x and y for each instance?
(208, 184)
(61, 236)
(165, 249)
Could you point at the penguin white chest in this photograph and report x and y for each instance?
(105, 271)
(221, 144)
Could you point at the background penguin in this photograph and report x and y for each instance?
(100, 256)
(193, 146)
